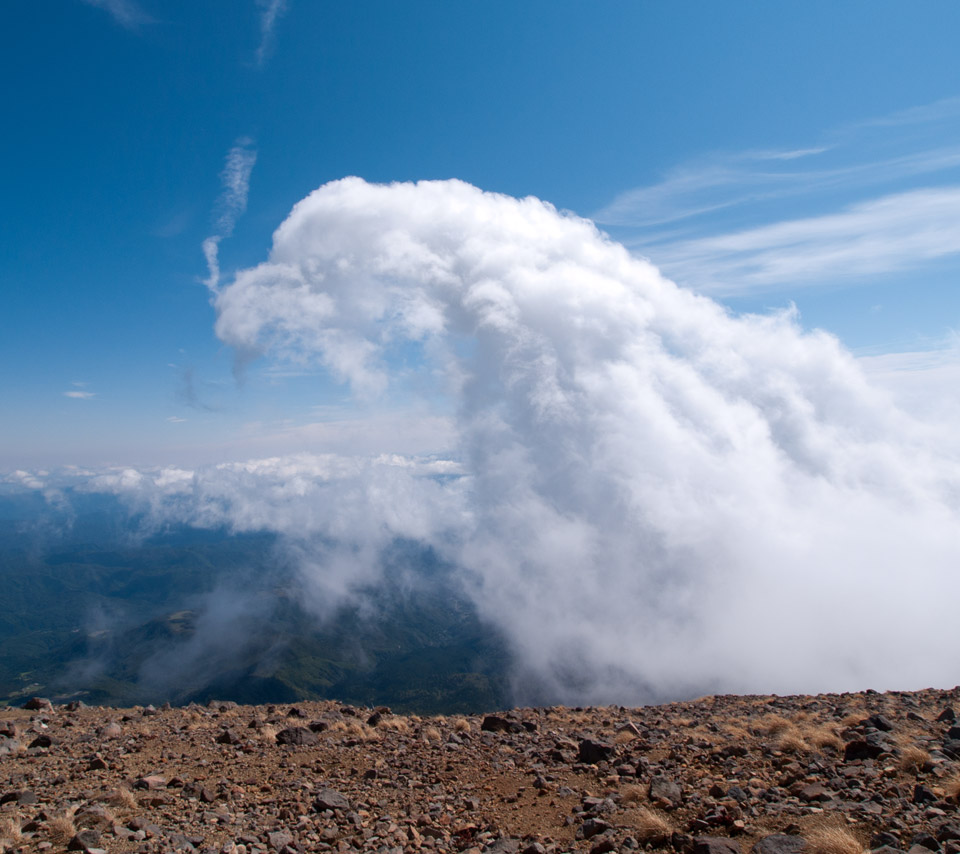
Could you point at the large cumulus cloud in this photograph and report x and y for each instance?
(653, 497)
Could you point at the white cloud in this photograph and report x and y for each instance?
(648, 496)
(656, 498)
(127, 13)
(272, 10)
(235, 180)
(175, 419)
(79, 394)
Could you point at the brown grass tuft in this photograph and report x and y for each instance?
(831, 839)
(912, 760)
(122, 798)
(623, 737)
(461, 725)
(61, 828)
(633, 794)
(823, 736)
(397, 724)
(790, 741)
(10, 827)
(773, 724)
(951, 788)
(431, 734)
(652, 826)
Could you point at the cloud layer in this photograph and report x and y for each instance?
(648, 496)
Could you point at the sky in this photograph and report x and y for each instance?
(642, 316)
(764, 154)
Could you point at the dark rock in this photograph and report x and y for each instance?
(279, 839)
(591, 752)
(715, 845)
(922, 795)
(947, 716)
(84, 840)
(951, 747)
(861, 749)
(927, 840)
(330, 799)
(953, 733)
(495, 723)
(38, 704)
(298, 735)
(816, 792)
(228, 736)
(592, 827)
(665, 793)
(604, 845)
(779, 843)
(880, 722)
(41, 741)
(884, 838)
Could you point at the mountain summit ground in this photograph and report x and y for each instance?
(828, 774)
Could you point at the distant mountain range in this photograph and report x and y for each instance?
(92, 609)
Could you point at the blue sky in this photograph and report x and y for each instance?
(763, 154)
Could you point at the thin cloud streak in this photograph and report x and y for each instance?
(125, 12)
(875, 197)
(273, 10)
(235, 181)
(891, 233)
(80, 395)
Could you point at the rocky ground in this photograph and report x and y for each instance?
(831, 774)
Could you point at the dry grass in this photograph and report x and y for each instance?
(10, 827)
(461, 725)
(122, 799)
(912, 759)
(61, 828)
(624, 737)
(633, 794)
(791, 741)
(951, 788)
(362, 731)
(652, 826)
(833, 839)
(268, 733)
(823, 736)
(398, 724)
(773, 724)
(431, 734)
(735, 732)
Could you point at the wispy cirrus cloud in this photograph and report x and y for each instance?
(873, 197)
(232, 202)
(891, 233)
(271, 12)
(78, 394)
(127, 13)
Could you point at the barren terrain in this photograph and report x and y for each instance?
(835, 774)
